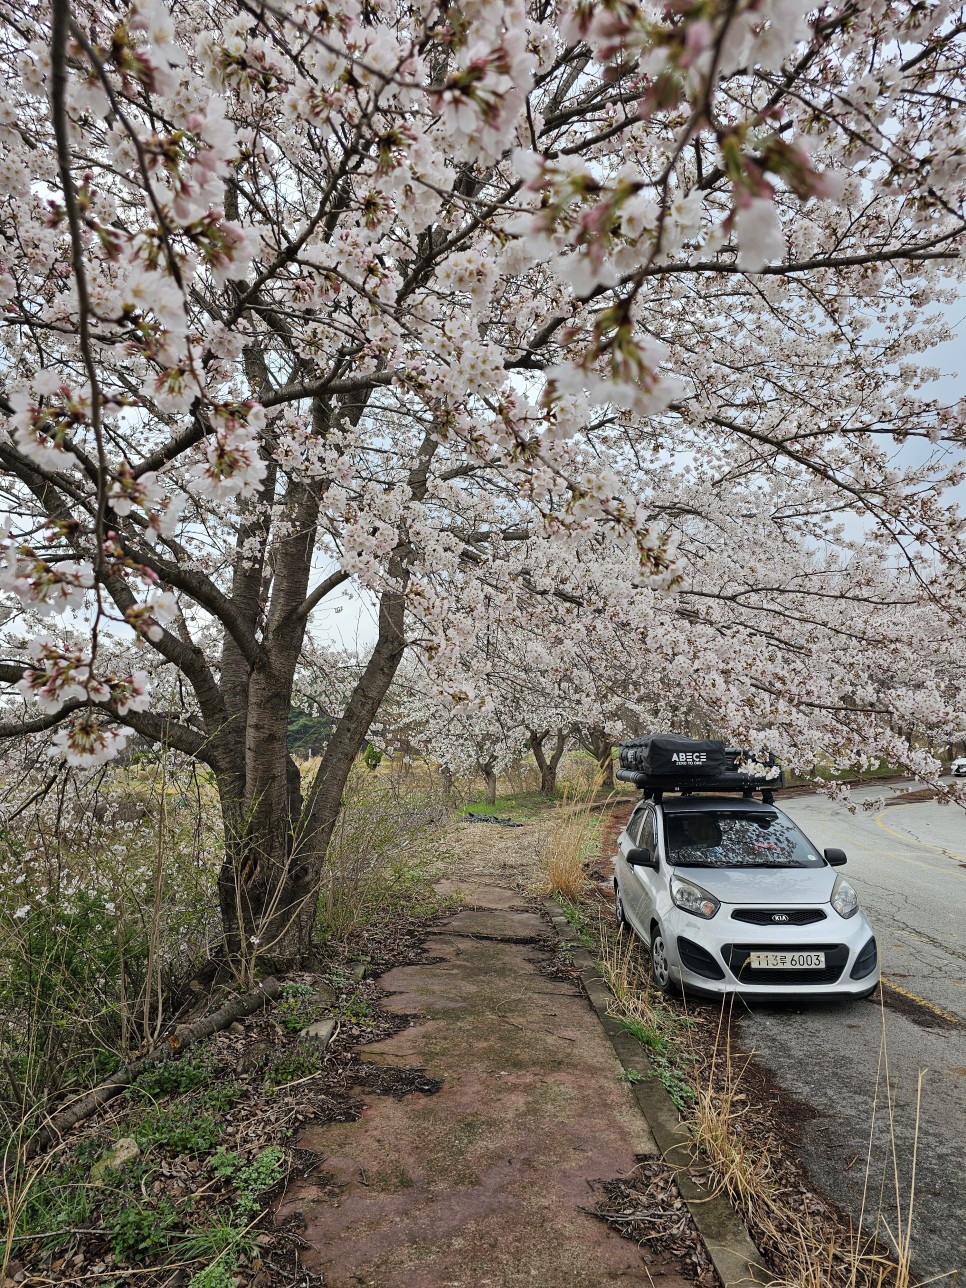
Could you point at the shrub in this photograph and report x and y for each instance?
(107, 892)
(383, 857)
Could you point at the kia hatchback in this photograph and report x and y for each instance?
(732, 897)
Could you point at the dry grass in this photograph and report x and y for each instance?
(798, 1232)
(625, 974)
(579, 776)
(384, 855)
(564, 843)
(742, 1168)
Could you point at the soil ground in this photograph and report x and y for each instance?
(491, 1179)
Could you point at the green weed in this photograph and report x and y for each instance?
(298, 1061)
(222, 1096)
(57, 1202)
(222, 1244)
(250, 1180)
(339, 977)
(676, 1082)
(174, 1077)
(357, 1010)
(646, 1034)
(220, 1274)
(294, 1011)
(177, 1129)
(521, 807)
(140, 1233)
(578, 922)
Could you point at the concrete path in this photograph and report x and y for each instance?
(485, 1182)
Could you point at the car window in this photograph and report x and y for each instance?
(634, 825)
(646, 839)
(719, 839)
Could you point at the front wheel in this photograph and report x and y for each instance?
(660, 969)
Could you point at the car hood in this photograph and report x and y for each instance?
(773, 887)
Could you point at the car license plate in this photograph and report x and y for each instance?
(786, 961)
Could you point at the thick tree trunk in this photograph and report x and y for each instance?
(274, 868)
(276, 841)
(262, 914)
(488, 770)
(548, 766)
(446, 776)
(600, 745)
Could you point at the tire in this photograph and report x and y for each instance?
(660, 972)
(619, 913)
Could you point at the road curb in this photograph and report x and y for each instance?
(736, 1259)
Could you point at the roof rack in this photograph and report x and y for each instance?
(668, 763)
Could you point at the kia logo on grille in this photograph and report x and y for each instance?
(779, 916)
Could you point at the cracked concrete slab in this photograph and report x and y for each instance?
(497, 924)
(488, 1181)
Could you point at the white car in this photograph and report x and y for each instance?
(732, 897)
(958, 767)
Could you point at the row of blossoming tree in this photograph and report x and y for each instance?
(600, 321)
(832, 659)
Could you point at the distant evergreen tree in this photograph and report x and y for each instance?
(308, 734)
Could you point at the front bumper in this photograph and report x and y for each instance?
(714, 959)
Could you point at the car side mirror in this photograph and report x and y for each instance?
(642, 858)
(835, 857)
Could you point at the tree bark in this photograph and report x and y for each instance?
(276, 858)
(446, 775)
(548, 766)
(599, 743)
(488, 770)
(259, 912)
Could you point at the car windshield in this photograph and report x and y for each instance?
(719, 839)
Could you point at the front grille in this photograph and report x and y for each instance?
(836, 956)
(778, 916)
(698, 959)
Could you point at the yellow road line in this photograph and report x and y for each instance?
(922, 1001)
(914, 840)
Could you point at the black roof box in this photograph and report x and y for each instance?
(670, 763)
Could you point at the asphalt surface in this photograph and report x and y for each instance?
(845, 1063)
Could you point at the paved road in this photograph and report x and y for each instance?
(908, 863)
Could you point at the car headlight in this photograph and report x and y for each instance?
(844, 899)
(692, 898)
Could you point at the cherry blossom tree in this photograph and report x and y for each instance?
(836, 655)
(412, 296)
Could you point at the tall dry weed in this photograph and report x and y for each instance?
(625, 973)
(579, 776)
(565, 841)
(809, 1245)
